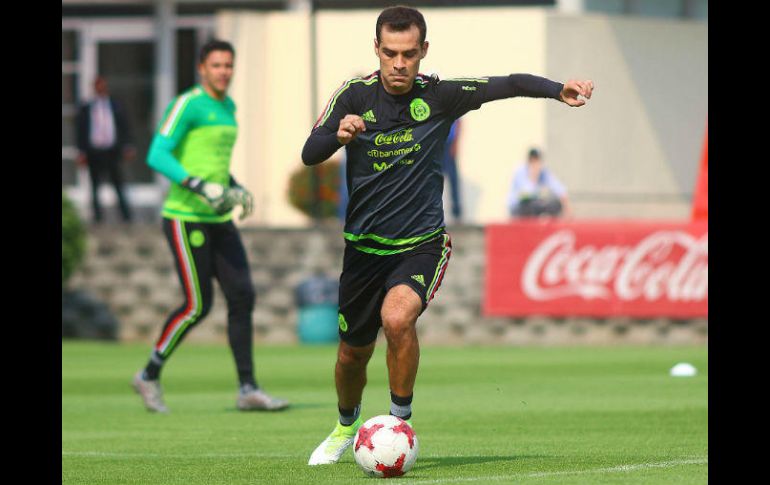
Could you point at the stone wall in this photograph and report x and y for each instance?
(131, 269)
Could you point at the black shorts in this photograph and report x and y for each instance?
(366, 278)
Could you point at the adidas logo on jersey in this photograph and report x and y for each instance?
(369, 116)
(418, 278)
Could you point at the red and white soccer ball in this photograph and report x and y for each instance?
(385, 446)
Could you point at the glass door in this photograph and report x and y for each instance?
(128, 67)
(121, 50)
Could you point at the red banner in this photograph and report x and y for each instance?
(607, 268)
(700, 200)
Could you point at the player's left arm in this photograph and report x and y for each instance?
(531, 86)
(573, 89)
(461, 95)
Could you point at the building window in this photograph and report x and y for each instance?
(687, 9)
(69, 103)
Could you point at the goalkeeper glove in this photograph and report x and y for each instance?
(216, 195)
(242, 197)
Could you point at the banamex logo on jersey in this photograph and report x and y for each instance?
(671, 265)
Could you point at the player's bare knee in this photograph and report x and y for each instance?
(398, 320)
(354, 357)
(397, 323)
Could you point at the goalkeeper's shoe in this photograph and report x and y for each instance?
(151, 393)
(332, 448)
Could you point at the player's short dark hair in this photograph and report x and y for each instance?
(400, 18)
(215, 45)
(534, 153)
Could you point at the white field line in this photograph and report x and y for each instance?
(614, 469)
(493, 478)
(108, 454)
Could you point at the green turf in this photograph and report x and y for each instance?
(482, 415)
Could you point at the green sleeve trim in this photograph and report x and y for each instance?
(175, 114)
(467, 79)
(339, 92)
(392, 242)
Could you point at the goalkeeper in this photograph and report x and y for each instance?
(192, 148)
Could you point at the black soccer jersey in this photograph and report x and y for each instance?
(394, 174)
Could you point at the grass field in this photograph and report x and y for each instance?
(482, 415)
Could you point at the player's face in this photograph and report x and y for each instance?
(400, 54)
(216, 71)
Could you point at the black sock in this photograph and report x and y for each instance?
(401, 407)
(152, 370)
(349, 416)
(247, 379)
(248, 386)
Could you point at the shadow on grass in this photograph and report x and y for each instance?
(293, 406)
(450, 461)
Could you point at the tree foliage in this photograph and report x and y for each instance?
(73, 239)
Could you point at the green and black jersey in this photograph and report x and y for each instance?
(195, 138)
(394, 172)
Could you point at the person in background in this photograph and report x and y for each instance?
(342, 207)
(449, 167)
(104, 141)
(192, 148)
(535, 191)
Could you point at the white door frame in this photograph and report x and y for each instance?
(92, 31)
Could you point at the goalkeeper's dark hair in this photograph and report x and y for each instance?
(215, 45)
(400, 18)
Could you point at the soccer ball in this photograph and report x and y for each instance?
(385, 446)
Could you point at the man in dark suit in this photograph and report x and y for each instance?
(103, 139)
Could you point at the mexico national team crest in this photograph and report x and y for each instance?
(419, 109)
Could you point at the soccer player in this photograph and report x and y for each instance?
(192, 148)
(393, 124)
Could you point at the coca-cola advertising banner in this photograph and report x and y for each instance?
(608, 268)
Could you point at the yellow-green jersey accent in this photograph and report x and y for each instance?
(195, 138)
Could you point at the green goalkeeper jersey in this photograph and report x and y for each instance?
(195, 138)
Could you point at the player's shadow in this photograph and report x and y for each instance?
(292, 406)
(444, 461)
(308, 405)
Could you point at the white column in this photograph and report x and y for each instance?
(570, 6)
(165, 55)
(299, 5)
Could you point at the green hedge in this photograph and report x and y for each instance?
(73, 239)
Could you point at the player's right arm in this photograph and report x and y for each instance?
(175, 124)
(336, 126)
(349, 128)
(177, 121)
